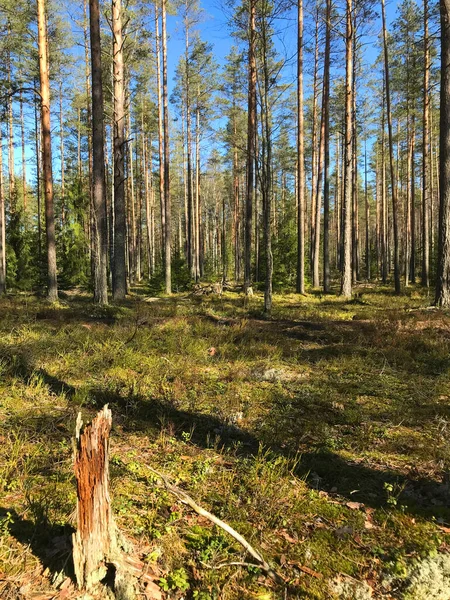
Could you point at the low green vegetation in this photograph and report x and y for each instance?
(321, 435)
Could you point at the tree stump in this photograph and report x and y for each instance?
(104, 564)
(97, 552)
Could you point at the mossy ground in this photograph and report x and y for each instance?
(322, 436)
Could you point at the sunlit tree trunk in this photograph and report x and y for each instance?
(443, 268)
(160, 129)
(300, 158)
(62, 157)
(250, 145)
(346, 282)
(119, 273)
(326, 173)
(52, 291)
(425, 278)
(98, 170)
(366, 201)
(314, 160)
(391, 156)
(24, 162)
(2, 223)
(412, 261)
(38, 136)
(11, 166)
(167, 202)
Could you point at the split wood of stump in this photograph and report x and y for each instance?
(103, 565)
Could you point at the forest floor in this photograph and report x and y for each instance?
(322, 436)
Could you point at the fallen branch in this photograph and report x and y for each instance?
(186, 499)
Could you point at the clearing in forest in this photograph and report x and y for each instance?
(321, 435)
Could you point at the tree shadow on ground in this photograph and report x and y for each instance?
(51, 543)
(322, 469)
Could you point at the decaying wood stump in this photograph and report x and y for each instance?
(98, 553)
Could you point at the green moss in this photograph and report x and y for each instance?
(334, 461)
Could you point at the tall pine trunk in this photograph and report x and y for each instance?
(250, 145)
(167, 202)
(119, 272)
(98, 170)
(425, 278)
(2, 223)
(443, 268)
(346, 282)
(391, 156)
(52, 290)
(326, 172)
(300, 158)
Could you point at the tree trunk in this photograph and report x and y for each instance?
(366, 200)
(425, 279)
(160, 130)
(167, 202)
(2, 223)
(197, 192)
(98, 156)
(391, 156)
(250, 145)
(11, 166)
(300, 159)
(443, 267)
(355, 196)
(119, 273)
(412, 261)
(326, 172)
(38, 180)
(52, 292)
(24, 162)
(313, 226)
(346, 282)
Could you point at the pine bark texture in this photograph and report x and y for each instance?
(167, 203)
(346, 282)
(250, 145)
(300, 159)
(52, 291)
(391, 157)
(119, 272)
(443, 270)
(98, 171)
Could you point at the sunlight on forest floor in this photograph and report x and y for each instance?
(323, 436)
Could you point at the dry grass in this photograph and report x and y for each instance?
(321, 435)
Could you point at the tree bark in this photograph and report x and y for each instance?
(250, 145)
(52, 291)
(119, 273)
(98, 170)
(300, 158)
(366, 200)
(346, 281)
(2, 223)
(443, 268)
(326, 171)
(267, 176)
(425, 279)
(24, 163)
(313, 225)
(167, 202)
(391, 156)
(160, 130)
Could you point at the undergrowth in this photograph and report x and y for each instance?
(321, 435)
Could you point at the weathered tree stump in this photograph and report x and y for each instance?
(98, 553)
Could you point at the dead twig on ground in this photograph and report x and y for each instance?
(186, 499)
